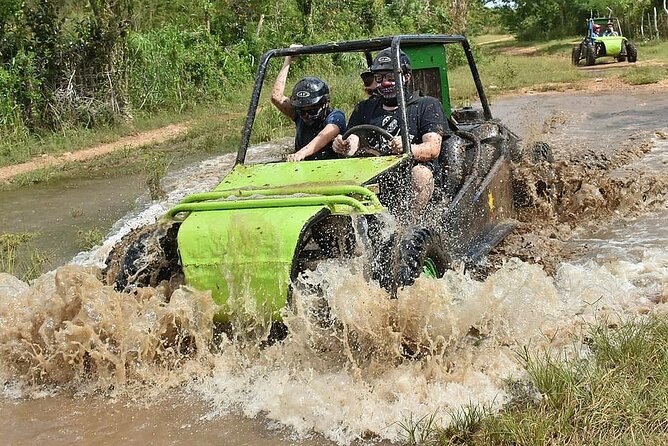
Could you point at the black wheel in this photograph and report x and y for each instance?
(145, 257)
(370, 144)
(421, 252)
(575, 55)
(631, 52)
(453, 158)
(590, 54)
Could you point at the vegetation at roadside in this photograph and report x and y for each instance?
(19, 258)
(614, 392)
(89, 238)
(66, 67)
(550, 19)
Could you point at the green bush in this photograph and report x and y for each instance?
(173, 69)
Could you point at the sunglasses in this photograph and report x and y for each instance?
(378, 77)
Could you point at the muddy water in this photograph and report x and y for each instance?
(81, 363)
(58, 213)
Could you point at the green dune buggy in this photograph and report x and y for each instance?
(595, 46)
(265, 225)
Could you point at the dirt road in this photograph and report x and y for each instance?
(132, 142)
(7, 173)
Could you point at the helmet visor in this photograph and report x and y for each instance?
(311, 113)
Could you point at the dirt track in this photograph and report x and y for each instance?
(132, 142)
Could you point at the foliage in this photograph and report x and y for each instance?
(613, 392)
(155, 168)
(89, 238)
(18, 257)
(548, 19)
(66, 65)
(61, 70)
(173, 69)
(644, 75)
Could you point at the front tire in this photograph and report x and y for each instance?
(590, 54)
(145, 257)
(575, 55)
(421, 252)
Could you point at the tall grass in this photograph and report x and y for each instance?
(19, 258)
(615, 395)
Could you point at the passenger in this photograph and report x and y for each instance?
(317, 124)
(426, 124)
(370, 85)
(596, 29)
(610, 30)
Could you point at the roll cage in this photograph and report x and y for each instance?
(602, 22)
(365, 46)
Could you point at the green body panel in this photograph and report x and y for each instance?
(432, 57)
(613, 44)
(243, 256)
(239, 240)
(352, 171)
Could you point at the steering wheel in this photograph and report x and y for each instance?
(364, 131)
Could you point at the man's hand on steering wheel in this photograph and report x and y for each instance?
(349, 143)
(347, 146)
(396, 145)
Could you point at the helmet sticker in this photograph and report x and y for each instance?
(384, 59)
(303, 94)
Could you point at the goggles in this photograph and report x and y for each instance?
(310, 112)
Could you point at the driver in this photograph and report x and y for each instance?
(596, 30)
(610, 30)
(426, 124)
(317, 124)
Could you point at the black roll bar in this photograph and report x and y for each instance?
(375, 44)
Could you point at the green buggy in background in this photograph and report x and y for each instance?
(594, 47)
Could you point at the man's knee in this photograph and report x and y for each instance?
(423, 178)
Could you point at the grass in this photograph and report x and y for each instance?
(15, 149)
(507, 66)
(212, 132)
(644, 75)
(89, 238)
(19, 258)
(617, 395)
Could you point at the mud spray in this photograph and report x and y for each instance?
(350, 377)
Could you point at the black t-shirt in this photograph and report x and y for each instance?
(425, 115)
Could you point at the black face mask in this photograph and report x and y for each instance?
(391, 101)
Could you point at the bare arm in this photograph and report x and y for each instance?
(326, 135)
(427, 150)
(278, 97)
(430, 147)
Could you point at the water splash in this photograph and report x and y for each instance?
(443, 344)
